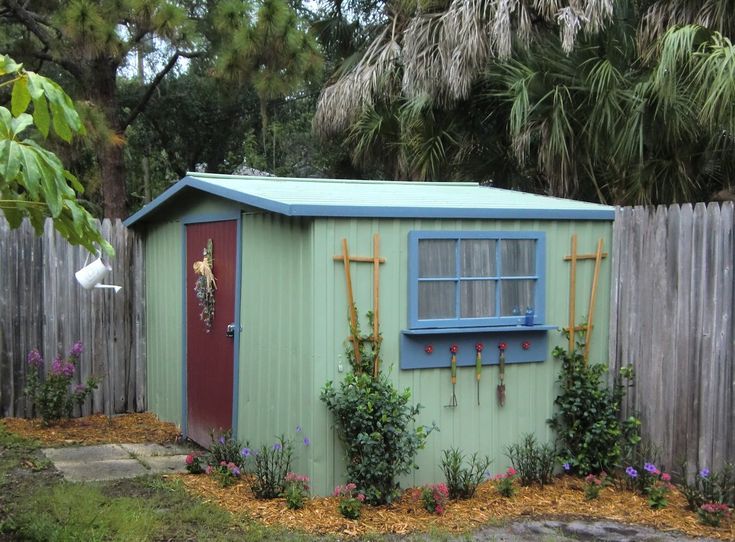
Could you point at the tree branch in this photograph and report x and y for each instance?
(30, 21)
(138, 109)
(71, 67)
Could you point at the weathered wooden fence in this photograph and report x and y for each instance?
(672, 318)
(42, 306)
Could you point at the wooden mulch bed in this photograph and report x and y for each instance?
(97, 429)
(564, 498)
(321, 515)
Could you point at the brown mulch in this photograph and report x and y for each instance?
(564, 498)
(97, 429)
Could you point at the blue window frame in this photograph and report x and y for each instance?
(475, 279)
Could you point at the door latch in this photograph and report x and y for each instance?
(230, 330)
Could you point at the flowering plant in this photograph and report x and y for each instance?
(593, 485)
(434, 498)
(225, 473)
(657, 485)
(54, 397)
(195, 463)
(504, 482)
(711, 513)
(350, 500)
(295, 490)
(272, 464)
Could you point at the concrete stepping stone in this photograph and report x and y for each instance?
(102, 452)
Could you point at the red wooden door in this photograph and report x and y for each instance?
(210, 354)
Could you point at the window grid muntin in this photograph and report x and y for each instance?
(498, 237)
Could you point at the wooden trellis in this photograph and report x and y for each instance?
(376, 260)
(587, 327)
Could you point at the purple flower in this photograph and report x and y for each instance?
(56, 365)
(34, 358)
(245, 452)
(630, 471)
(650, 467)
(222, 440)
(307, 441)
(79, 389)
(298, 429)
(567, 467)
(235, 471)
(76, 350)
(277, 447)
(704, 473)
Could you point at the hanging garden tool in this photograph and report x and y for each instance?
(478, 368)
(501, 363)
(453, 349)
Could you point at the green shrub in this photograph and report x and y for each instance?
(296, 490)
(376, 425)
(462, 481)
(590, 435)
(534, 462)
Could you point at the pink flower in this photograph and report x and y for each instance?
(360, 497)
(511, 471)
(666, 477)
(189, 459)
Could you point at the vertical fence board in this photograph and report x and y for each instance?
(42, 306)
(672, 318)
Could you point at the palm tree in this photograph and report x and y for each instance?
(584, 100)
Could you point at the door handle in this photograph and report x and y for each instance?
(230, 332)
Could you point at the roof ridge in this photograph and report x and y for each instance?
(336, 181)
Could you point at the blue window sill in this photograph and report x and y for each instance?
(493, 329)
(430, 348)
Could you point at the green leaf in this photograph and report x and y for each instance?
(20, 97)
(20, 123)
(41, 115)
(8, 65)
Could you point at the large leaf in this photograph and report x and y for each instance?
(20, 97)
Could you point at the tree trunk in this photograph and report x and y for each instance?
(102, 91)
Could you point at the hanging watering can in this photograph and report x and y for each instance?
(92, 274)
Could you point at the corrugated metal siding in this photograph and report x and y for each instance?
(487, 428)
(276, 388)
(164, 319)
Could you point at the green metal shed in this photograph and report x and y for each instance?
(463, 264)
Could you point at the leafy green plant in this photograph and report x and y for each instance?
(504, 483)
(350, 500)
(295, 490)
(711, 513)
(195, 463)
(593, 485)
(589, 431)
(272, 463)
(376, 425)
(226, 448)
(534, 462)
(34, 182)
(708, 486)
(54, 397)
(434, 498)
(462, 481)
(225, 473)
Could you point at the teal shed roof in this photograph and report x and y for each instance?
(380, 199)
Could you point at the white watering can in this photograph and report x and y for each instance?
(92, 274)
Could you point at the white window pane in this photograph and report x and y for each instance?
(437, 299)
(477, 298)
(437, 258)
(478, 257)
(516, 296)
(518, 257)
